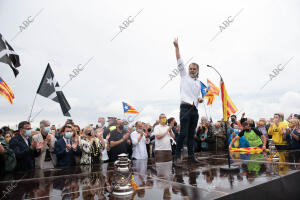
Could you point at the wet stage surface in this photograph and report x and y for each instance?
(257, 178)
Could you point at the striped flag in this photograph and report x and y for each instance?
(210, 98)
(212, 91)
(228, 106)
(128, 109)
(213, 88)
(6, 91)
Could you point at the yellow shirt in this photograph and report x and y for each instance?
(277, 134)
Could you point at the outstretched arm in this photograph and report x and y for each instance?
(180, 64)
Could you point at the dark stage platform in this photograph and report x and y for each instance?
(257, 178)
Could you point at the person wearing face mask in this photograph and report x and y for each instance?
(139, 141)
(119, 141)
(163, 134)
(241, 142)
(45, 160)
(292, 134)
(24, 147)
(66, 149)
(261, 126)
(102, 125)
(253, 136)
(190, 97)
(277, 134)
(7, 156)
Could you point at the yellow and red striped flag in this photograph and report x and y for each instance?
(210, 98)
(6, 91)
(213, 88)
(212, 91)
(228, 106)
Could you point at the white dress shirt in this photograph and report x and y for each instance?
(163, 143)
(190, 89)
(25, 139)
(139, 150)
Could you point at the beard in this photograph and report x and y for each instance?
(193, 75)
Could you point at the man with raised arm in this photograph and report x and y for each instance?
(190, 96)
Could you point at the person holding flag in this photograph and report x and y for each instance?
(190, 96)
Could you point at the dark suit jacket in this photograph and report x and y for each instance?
(24, 154)
(64, 158)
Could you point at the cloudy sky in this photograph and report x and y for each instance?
(134, 65)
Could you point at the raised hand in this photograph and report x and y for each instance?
(40, 145)
(74, 145)
(33, 144)
(68, 146)
(126, 136)
(175, 43)
(107, 137)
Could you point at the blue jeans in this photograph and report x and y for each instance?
(188, 123)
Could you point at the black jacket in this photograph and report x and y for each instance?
(64, 158)
(24, 154)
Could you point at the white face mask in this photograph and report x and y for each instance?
(99, 125)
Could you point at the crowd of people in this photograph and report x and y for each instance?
(70, 145)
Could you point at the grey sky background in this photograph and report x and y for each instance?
(137, 63)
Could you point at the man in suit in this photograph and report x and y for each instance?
(24, 147)
(66, 149)
(45, 159)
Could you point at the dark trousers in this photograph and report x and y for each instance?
(188, 123)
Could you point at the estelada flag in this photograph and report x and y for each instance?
(6, 91)
(128, 109)
(212, 91)
(213, 88)
(228, 106)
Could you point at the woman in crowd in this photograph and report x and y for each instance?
(292, 134)
(85, 144)
(98, 145)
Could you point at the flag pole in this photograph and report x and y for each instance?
(205, 110)
(225, 168)
(32, 107)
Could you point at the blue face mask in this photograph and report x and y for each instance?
(125, 127)
(68, 135)
(47, 129)
(28, 133)
(236, 130)
(133, 128)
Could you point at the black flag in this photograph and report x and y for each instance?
(49, 88)
(9, 56)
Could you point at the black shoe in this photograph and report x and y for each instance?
(193, 159)
(177, 162)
